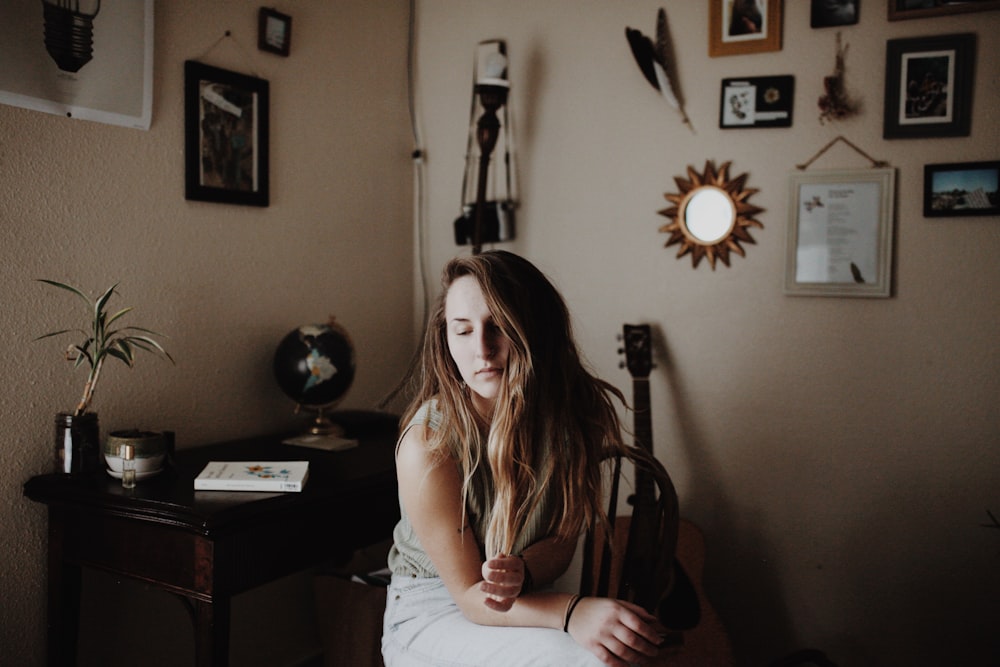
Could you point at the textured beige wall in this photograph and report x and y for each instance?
(839, 453)
(92, 204)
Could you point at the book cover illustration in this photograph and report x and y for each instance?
(253, 476)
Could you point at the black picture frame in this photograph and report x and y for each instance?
(900, 10)
(928, 86)
(756, 101)
(960, 189)
(225, 136)
(830, 13)
(274, 31)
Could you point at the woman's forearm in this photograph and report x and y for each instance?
(539, 610)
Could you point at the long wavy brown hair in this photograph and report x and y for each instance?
(547, 396)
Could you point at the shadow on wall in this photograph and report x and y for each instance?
(737, 569)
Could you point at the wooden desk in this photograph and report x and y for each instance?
(207, 546)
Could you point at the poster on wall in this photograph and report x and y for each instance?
(81, 59)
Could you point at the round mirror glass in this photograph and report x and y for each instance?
(709, 214)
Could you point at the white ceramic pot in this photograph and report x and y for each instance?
(151, 449)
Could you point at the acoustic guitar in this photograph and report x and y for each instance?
(674, 593)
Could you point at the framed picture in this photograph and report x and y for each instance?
(840, 233)
(961, 188)
(928, 86)
(79, 60)
(830, 13)
(274, 31)
(761, 101)
(918, 9)
(226, 136)
(737, 27)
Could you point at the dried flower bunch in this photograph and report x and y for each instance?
(835, 104)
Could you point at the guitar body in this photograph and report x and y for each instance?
(706, 644)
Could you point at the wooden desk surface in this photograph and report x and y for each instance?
(170, 498)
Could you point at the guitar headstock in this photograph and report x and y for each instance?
(637, 349)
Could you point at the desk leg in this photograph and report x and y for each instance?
(64, 598)
(211, 627)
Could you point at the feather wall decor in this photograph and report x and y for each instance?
(655, 62)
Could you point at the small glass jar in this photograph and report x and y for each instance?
(128, 466)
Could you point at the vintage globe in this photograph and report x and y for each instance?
(314, 365)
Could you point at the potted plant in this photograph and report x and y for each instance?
(77, 433)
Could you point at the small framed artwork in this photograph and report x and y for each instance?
(274, 31)
(918, 9)
(830, 13)
(225, 136)
(928, 86)
(961, 188)
(761, 101)
(840, 233)
(737, 27)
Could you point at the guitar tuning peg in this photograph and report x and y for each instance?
(619, 337)
(621, 350)
(621, 364)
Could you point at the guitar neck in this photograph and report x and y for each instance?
(643, 430)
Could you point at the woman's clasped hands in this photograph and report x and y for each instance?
(619, 633)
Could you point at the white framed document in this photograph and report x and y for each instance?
(840, 233)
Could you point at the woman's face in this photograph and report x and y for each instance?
(476, 344)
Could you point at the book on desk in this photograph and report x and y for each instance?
(288, 476)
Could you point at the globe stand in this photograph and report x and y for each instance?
(323, 433)
(323, 425)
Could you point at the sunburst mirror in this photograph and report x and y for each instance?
(710, 216)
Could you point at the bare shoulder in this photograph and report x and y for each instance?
(414, 448)
(416, 460)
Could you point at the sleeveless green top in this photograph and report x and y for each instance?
(408, 558)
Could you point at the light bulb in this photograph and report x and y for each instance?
(69, 31)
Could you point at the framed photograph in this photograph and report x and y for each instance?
(274, 31)
(756, 101)
(840, 233)
(226, 136)
(737, 27)
(830, 13)
(928, 86)
(961, 188)
(918, 9)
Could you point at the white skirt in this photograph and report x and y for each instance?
(423, 626)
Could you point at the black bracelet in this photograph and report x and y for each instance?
(529, 581)
(575, 600)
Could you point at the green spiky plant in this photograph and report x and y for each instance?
(103, 340)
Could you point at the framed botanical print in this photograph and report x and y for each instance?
(756, 101)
